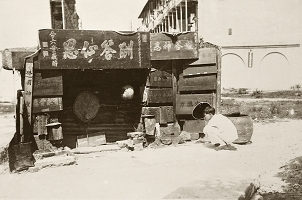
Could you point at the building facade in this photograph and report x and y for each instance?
(260, 40)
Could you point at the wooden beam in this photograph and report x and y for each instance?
(175, 87)
(218, 90)
(176, 19)
(173, 19)
(180, 17)
(14, 57)
(169, 24)
(186, 13)
(262, 46)
(63, 14)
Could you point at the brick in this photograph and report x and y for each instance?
(138, 147)
(185, 136)
(33, 169)
(194, 136)
(135, 134)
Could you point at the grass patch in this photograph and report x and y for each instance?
(7, 108)
(3, 155)
(264, 110)
(289, 94)
(292, 174)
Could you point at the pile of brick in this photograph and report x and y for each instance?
(135, 142)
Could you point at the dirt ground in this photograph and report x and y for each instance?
(186, 171)
(7, 128)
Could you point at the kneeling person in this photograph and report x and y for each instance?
(219, 130)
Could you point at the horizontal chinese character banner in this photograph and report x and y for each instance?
(169, 47)
(47, 104)
(91, 49)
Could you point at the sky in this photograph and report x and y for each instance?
(20, 21)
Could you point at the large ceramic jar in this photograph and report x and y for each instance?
(244, 126)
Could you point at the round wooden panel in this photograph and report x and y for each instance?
(86, 106)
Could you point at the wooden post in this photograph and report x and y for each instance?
(173, 19)
(186, 13)
(175, 88)
(169, 25)
(63, 14)
(218, 93)
(21, 105)
(180, 17)
(176, 19)
(196, 17)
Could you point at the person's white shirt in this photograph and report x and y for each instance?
(220, 130)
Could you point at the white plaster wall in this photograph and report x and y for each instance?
(274, 72)
(257, 22)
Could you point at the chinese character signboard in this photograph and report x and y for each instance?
(168, 47)
(90, 49)
(194, 83)
(159, 95)
(48, 83)
(47, 104)
(186, 103)
(159, 78)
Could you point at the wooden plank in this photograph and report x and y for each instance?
(158, 111)
(150, 125)
(163, 115)
(14, 58)
(194, 83)
(159, 78)
(163, 95)
(96, 139)
(166, 114)
(175, 87)
(91, 49)
(82, 140)
(200, 70)
(21, 106)
(41, 121)
(193, 126)
(185, 103)
(206, 56)
(70, 141)
(48, 84)
(152, 111)
(169, 47)
(47, 104)
(218, 91)
(28, 90)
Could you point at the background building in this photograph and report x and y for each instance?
(260, 40)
